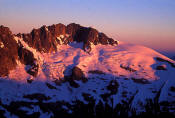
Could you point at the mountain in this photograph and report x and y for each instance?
(76, 71)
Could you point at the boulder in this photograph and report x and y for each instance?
(77, 73)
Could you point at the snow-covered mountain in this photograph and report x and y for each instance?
(75, 71)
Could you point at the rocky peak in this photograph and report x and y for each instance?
(58, 29)
(47, 38)
(4, 30)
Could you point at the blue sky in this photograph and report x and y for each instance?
(147, 22)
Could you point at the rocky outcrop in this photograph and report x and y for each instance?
(11, 52)
(40, 39)
(47, 38)
(77, 73)
(88, 36)
(8, 51)
(27, 58)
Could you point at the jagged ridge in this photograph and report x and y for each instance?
(45, 40)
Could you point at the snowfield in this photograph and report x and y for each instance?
(135, 73)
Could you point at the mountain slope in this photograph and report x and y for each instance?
(90, 75)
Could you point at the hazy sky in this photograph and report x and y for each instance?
(147, 22)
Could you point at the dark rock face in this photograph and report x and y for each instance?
(88, 35)
(77, 74)
(41, 39)
(26, 57)
(33, 70)
(57, 29)
(8, 51)
(11, 51)
(46, 39)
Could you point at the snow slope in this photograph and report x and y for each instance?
(134, 72)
